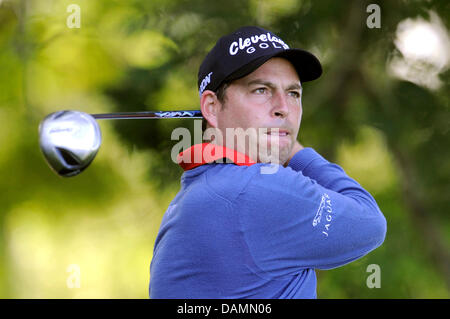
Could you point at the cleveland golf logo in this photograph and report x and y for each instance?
(206, 80)
(264, 41)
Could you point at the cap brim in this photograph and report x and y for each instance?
(306, 64)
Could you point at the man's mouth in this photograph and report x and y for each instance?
(278, 132)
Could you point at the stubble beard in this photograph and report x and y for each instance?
(261, 148)
(254, 143)
(271, 151)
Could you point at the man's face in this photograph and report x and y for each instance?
(267, 99)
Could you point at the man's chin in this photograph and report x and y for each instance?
(274, 155)
(263, 150)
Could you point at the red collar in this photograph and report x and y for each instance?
(200, 154)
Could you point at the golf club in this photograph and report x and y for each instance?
(70, 139)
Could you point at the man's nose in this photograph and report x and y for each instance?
(280, 106)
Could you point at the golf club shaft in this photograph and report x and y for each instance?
(195, 114)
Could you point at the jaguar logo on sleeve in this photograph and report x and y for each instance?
(326, 210)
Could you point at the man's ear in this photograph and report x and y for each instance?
(210, 106)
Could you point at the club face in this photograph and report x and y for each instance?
(69, 141)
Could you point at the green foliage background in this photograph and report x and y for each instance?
(390, 135)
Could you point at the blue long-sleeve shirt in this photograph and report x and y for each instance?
(233, 232)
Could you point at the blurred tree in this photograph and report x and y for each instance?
(414, 120)
(143, 55)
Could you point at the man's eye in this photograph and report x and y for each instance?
(294, 94)
(260, 90)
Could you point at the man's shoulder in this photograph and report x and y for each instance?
(215, 182)
(228, 180)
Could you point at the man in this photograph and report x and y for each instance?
(238, 229)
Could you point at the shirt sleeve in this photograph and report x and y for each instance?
(307, 215)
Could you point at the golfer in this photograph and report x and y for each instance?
(256, 220)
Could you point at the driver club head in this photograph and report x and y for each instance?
(69, 141)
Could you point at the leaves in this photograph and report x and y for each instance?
(391, 135)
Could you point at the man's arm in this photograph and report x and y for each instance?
(296, 148)
(308, 215)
